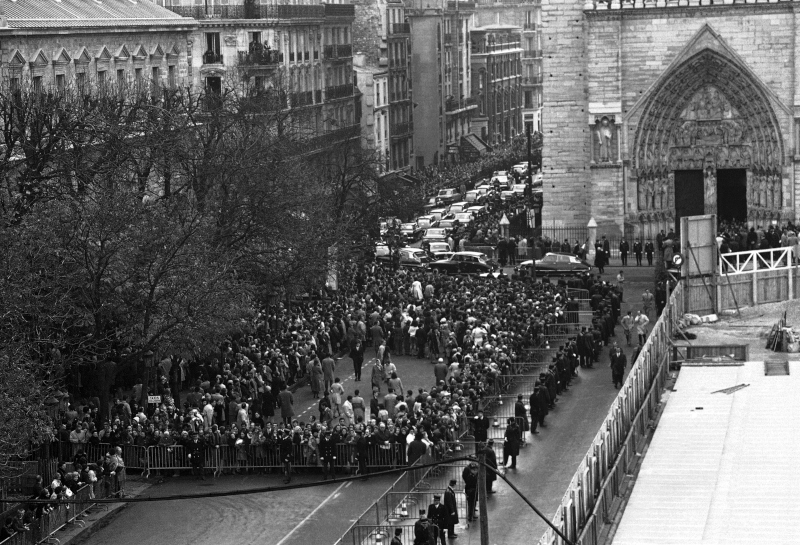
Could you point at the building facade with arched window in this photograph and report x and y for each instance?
(659, 110)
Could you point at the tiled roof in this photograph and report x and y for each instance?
(88, 13)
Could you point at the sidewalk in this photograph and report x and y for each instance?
(102, 515)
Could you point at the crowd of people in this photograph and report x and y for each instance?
(473, 329)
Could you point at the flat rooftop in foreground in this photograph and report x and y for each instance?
(724, 467)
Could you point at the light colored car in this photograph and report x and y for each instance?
(448, 195)
(464, 263)
(438, 213)
(464, 218)
(433, 202)
(500, 177)
(506, 195)
(423, 222)
(457, 207)
(519, 189)
(476, 210)
(435, 233)
(473, 196)
(439, 247)
(447, 224)
(381, 250)
(410, 231)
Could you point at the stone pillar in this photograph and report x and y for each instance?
(592, 228)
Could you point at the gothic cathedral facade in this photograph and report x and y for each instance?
(668, 108)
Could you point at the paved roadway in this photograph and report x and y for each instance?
(320, 515)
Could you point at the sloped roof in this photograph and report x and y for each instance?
(89, 13)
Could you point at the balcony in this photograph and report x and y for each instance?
(532, 54)
(340, 10)
(252, 10)
(209, 57)
(399, 28)
(339, 91)
(300, 99)
(452, 105)
(529, 26)
(336, 52)
(335, 136)
(402, 130)
(260, 58)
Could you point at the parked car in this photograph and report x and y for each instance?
(507, 195)
(519, 189)
(410, 231)
(520, 168)
(432, 203)
(500, 179)
(438, 213)
(423, 222)
(475, 196)
(414, 258)
(464, 263)
(439, 247)
(555, 264)
(447, 196)
(448, 224)
(435, 234)
(477, 211)
(464, 218)
(457, 207)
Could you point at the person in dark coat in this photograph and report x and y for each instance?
(521, 416)
(480, 426)
(511, 443)
(423, 531)
(623, 252)
(470, 476)
(195, 449)
(637, 252)
(533, 402)
(491, 461)
(327, 455)
(357, 354)
(437, 514)
(618, 364)
(451, 505)
(648, 251)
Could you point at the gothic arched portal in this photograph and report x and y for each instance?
(710, 116)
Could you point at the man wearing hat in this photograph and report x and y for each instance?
(491, 462)
(195, 451)
(480, 426)
(437, 514)
(327, 454)
(451, 506)
(398, 537)
(422, 530)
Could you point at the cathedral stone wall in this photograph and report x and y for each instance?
(564, 114)
(627, 54)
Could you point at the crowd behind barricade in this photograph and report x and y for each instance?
(80, 481)
(736, 237)
(238, 414)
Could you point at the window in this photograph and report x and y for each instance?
(15, 84)
(377, 94)
(37, 83)
(120, 78)
(171, 76)
(80, 80)
(101, 78)
(138, 76)
(61, 82)
(212, 54)
(156, 76)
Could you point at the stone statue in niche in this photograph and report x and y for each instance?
(762, 190)
(651, 192)
(663, 189)
(604, 138)
(641, 194)
(671, 190)
(710, 188)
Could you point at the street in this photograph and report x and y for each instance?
(320, 515)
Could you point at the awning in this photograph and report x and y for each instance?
(473, 147)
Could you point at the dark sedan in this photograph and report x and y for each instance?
(554, 264)
(464, 263)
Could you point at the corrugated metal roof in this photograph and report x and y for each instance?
(723, 468)
(88, 13)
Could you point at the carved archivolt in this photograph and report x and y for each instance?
(709, 114)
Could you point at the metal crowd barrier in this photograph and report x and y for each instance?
(583, 509)
(44, 528)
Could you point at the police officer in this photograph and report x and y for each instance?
(327, 453)
(437, 514)
(648, 250)
(196, 452)
(637, 251)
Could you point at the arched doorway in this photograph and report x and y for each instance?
(708, 142)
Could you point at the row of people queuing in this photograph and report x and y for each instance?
(479, 323)
(736, 237)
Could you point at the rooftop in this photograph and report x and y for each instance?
(31, 14)
(722, 465)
